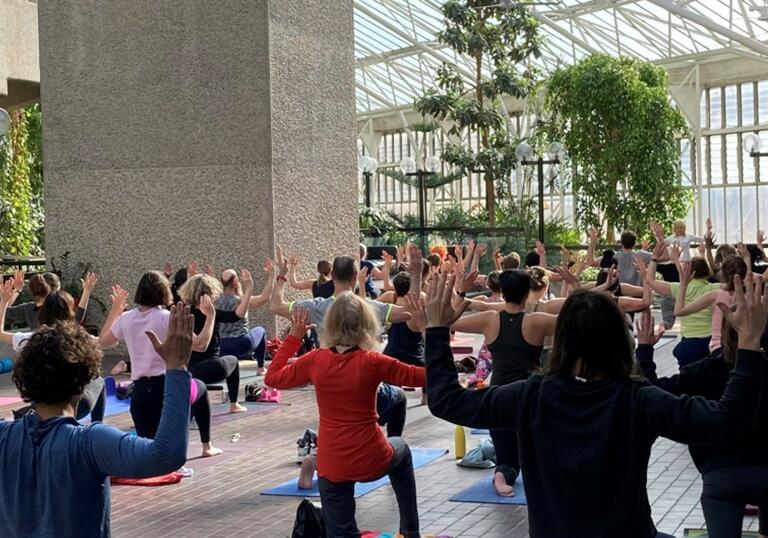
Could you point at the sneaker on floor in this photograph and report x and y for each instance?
(186, 472)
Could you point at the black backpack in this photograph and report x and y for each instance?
(252, 391)
(309, 521)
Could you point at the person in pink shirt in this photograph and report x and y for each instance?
(153, 296)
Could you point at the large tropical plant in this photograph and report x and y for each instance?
(501, 40)
(622, 135)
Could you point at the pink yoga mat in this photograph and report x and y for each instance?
(9, 400)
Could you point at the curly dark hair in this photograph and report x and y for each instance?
(56, 364)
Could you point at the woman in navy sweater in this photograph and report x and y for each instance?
(586, 424)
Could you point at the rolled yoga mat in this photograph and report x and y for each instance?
(421, 457)
(483, 491)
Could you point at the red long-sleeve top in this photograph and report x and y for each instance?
(350, 444)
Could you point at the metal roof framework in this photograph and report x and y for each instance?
(397, 53)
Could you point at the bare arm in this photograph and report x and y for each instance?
(201, 340)
(88, 283)
(257, 301)
(292, 282)
(8, 295)
(485, 323)
(591, 261)
(119, 300)
(277, 304)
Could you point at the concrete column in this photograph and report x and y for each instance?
(187, 129)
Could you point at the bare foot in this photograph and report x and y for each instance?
(307, 472)
(209, 450)
(502, 488)
(120, 368)
(237, 408)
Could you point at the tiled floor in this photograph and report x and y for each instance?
(222, 498)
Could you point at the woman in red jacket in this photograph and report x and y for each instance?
(346, 373)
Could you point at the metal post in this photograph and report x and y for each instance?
(367, 178)
(422, 212)
(540, 166)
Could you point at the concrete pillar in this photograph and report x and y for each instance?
(189, 129)
(19, 67)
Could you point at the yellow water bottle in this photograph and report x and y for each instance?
(460, 442)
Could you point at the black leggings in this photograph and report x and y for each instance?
(725, 494)
(507, 455)
(217, 370)
(147, 407)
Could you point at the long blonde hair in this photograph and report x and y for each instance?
(350, 322)
(200, 285)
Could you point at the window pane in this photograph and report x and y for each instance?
(715, 160)
(749, 213)
(717, 212)
(762, 206)
(732, 158)
(763, 161)
(748, 164)
(715, 109)
(733, 214)
(703, 109)
(704, 205)
(685, 161)
(762, 103)
(747, 103)
(731, 107)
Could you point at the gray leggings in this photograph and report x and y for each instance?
(725, 494)
(338, 498)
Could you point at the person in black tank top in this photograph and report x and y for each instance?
(405, 342)
(515, 340)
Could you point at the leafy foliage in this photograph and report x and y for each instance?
(621, 131)
(503, 38)
(17, 227)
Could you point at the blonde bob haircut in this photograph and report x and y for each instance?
(200, 285)
(350, 322)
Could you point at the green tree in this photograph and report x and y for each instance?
(622, 135)
(496, 37)
(17, 226)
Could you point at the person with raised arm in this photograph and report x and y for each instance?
(207, 364)
(723, 294)
(237, 338)
(346, 373)
(515, 340)
(152, 300)
(625, 258)
(586, 424)
(64, 466)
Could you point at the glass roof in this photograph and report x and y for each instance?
(397, 52)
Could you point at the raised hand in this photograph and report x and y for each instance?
(675, 251)
(565, 256)
(119, 297)
(751, 313)
(709, 224)
(168, 269)
(362, 277)
(414, 260)
(497, 258)
(760, 238)
(8, 292)
(439, 310)
(645, 244)
(206, 306)
(387, 257)
(646, 332)
(246, 279)
(593, 236)
(481, 250)
(400, 256)
(641, 266)
(282, 264)
(269, 267)
(300, 322)
(685, 273)
(415, 306)
(568, 277)
(464, 282)
(293, 261)
(542, 252)
(89, 282)
(709, 240)
(192, 268)
(177, 347)
(209, 270)
(18, 280)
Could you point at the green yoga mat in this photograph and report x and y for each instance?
(702, 533)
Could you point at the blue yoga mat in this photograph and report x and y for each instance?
(115, 406)
(480, 432)
(482, 491)
(421, 457)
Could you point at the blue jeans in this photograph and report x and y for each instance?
(254, 343)
(391, 406)
(690, 350)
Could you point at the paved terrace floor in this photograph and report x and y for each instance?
(222, 498)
